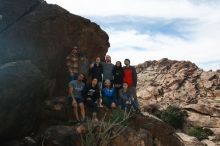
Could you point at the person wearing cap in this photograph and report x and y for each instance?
(73, 63)
(130, 77)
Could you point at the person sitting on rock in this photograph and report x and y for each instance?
(108, 95)
(126, 99)
(75, 90)
(91, 96)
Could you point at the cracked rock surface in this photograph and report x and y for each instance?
(182, 84)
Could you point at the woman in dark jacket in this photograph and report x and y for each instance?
(96, 71)
(117, 77)
(92, 98)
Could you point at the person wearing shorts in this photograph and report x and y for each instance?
(75, 90)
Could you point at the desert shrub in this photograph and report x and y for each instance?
(107, 129)
(118, 116)
(174, 116)
(200, 133)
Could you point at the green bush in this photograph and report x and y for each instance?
(174, 116)
(208, 131)
(200, 133)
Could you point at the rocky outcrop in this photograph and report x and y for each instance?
(141, 130)
(44, 35)
(181, 83)
(189, 141)
(22, 89)
(68, 136)
(61, 136)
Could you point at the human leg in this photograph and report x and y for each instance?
(69, 107)
(82, 108)
(75, 109)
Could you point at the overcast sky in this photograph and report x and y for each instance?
(153, 29)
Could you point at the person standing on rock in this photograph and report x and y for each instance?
(117, 77)
(96, 71)
(75, 90)
(107, 69)
(130, 77)
(73, 63)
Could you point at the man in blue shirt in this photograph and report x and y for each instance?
(75, 91)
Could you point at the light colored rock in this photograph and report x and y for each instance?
(203, 120)
(189, 140)
(208, 142)
(204, 108)
(181, 83)
(217, 132)
(217, 93)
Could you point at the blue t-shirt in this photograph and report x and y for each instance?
(77, 88)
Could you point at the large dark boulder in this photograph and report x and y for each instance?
(12, 11)
(44, 34)
(22, 90)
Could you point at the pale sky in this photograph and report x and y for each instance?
(153, 29)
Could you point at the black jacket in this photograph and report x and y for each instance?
(118, 75)
(134, 75)
(97, 72)
(91, 92)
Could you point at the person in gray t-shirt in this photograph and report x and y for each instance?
(107, 68)
(75, 91)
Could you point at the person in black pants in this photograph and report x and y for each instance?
(117, 78)
(91, 95)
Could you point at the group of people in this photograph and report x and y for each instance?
(110, 85)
